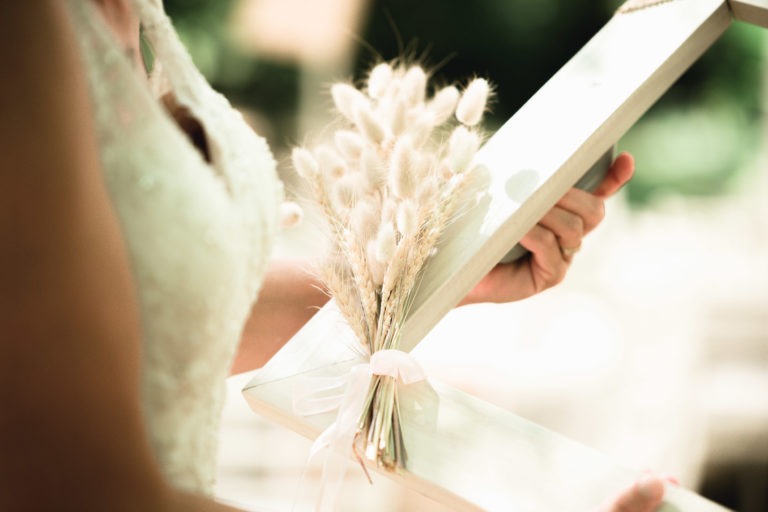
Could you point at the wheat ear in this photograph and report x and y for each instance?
(346, 296)
(363, 280)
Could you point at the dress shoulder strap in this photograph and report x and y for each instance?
(235, 148)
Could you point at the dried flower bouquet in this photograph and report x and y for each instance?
(391, 177)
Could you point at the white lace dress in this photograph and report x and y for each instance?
(199, 234)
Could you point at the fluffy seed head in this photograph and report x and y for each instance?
(376, 267)
(462, 147)
(389, 176)
(364, 220)
(331, 164)
(406, 218)
(428, 192)
(371, 167)
(304, 163)
(291, 214)
(349, 144)
(398, 116)
(443, 104)
(389, 210)
(344, 192)
(414, 85)
(402, 173)
(347, 99)
(368, 124)
(385, 242)
(472, 103)
(428, 166)
(379, 80)
(421, 128)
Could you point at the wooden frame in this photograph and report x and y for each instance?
(751, 11)
(533, 159)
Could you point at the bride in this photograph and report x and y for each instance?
(137, 215)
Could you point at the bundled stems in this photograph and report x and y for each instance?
(388, 181)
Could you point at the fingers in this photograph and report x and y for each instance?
(568, 227)
(588, 207)
(548, 264)
(644, 496)
(578, 212)
(620, 173)
(553, 241)
(557, 237)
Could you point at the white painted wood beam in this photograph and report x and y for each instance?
(750, 11)
(557, 135)
(469, 454)
(462, 451)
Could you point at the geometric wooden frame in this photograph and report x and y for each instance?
(532, 160)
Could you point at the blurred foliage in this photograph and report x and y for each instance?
(705, 131)
(518, 45)
(267, 88)
(695, 140)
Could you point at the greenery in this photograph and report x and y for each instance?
(696, 140)
(701, 136)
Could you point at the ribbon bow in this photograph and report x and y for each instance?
(347, 393)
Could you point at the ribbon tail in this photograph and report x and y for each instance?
(322, 442)
(336, 442)
(334, 469)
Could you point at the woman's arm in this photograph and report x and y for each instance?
(289, 296)
(71, 429)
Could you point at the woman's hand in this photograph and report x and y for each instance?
(645, 495)
(553, 241)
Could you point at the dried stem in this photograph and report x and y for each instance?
(363, 280)
(391, 145)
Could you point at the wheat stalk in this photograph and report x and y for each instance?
(337, 285)
(389, 182)
(363, 280)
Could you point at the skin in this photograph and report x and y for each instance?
(575, 215)
(70, 351)
(645, 495)
(290, 296)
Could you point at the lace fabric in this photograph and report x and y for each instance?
(199, 235)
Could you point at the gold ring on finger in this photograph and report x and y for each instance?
(568, 252)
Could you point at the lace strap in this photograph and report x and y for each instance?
(230, 140)
(175, 62)
(119, 99)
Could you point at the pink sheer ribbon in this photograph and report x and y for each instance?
(347, 393)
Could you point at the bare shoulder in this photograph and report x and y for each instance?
(67, 308)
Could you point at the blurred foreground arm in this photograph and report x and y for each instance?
(71, 432)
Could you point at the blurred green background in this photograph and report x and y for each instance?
(700, 144)
(697, 140)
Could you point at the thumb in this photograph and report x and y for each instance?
(621, 172)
